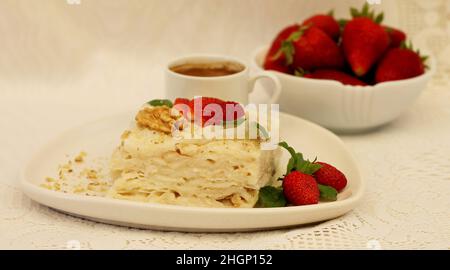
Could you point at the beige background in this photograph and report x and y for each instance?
(62, 65)
(120, 46)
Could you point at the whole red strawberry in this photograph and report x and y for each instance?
(300, 188)
(330, 176)
(399, 64)
(330, 74)
(325, 23)
(363, 41)
(396, 36)
(310, 48)
(279, 63)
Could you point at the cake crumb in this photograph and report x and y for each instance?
(80, 157)
(125, 134)
(79, 189)
(85, 177)
(90, 174)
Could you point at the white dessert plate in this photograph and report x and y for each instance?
(99, 138)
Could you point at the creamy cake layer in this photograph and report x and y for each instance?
(152, 166)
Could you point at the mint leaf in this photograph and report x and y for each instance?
(327, 193)
(287, 147)
(161, 102)
(293, 160)
(270, 196)
(290, 165)
(298, 163)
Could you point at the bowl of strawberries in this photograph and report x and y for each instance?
(348, 75)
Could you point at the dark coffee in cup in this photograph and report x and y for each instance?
(213, 69)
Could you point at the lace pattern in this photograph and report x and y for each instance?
(406, 164)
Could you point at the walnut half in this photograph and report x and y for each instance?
(156, 118)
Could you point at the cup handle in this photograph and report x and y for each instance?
(264, 74)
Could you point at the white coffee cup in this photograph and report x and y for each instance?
(231, 87)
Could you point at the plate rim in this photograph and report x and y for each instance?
(33, 190)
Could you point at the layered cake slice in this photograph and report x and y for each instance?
(151, 164)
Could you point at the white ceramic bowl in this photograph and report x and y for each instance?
(345, 108)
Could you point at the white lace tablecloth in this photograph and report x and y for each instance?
(54, 76)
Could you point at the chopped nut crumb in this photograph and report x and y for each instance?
(125, 134)
(91, 174)
(49, 179)
(79, 177)
(80, 157)
(57, 186)
(79, 189)
(46, 186)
